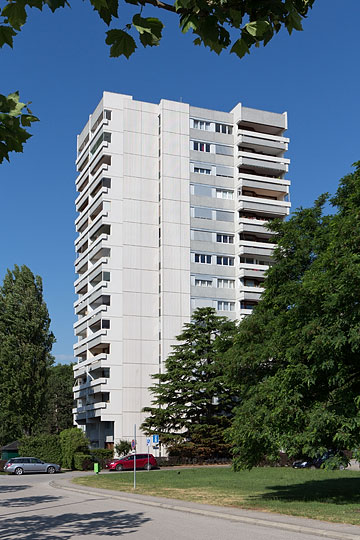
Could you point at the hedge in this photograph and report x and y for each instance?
(45, 447)
(102, 455)
(83, 462)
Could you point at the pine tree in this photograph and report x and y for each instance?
(25, 345)
(192, 403)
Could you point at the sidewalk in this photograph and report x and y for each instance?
(338, 531)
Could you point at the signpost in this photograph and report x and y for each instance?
(133, 446)
(148, 442)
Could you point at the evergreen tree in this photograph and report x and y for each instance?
(192, 404)
(297, 355)
(25, 345)
(59, 399)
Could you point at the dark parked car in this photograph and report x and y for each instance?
(21, 465)
(317, 462)
(127, 463)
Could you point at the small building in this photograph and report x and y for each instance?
(10, 450)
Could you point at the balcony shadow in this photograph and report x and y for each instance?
(71, 525)
(336, 491)
(28, 501)
(11, 489)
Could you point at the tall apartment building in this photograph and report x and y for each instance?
(173, 202)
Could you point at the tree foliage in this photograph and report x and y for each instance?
(59, 399)
(219, 24)
(14, 118)
(297, 355)
(72, 441)
(192, 404)
(123, 447)
(25, 345)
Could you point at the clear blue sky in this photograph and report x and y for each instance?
(61, 63)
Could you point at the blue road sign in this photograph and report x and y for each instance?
(155, 439)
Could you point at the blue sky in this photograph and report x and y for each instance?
(61, 63)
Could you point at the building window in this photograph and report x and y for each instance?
(224, 194)
(200, 170)
(200, 124)
(104, 137)
(202, 212)
(224, 260)
(201, 146)
(105, 323)
(202, 259)
(225, 238)
(203, 282)
(226, 283)
(222, 215)
(223, 305)
(224, 150)
(223, 128)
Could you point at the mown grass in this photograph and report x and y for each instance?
(318, 494)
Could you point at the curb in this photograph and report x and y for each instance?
(220, 515)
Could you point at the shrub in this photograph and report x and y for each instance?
(2, 463)
(72, 440)
(123, 447)
(102, 455)
(83, 462)
(45, 447)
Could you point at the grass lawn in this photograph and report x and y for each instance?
(326, 495)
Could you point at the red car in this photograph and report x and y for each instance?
(127, 463)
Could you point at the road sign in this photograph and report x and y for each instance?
(133, 444)
(155, 439)
(148, 441)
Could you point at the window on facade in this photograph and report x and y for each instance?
(223, 305)
(226, 283)
(224, 150)
(224, 260)
(105, 323)
(201, 170)
(203, 283)
(223, 128)
(202, 259)
(201, 147)
(107, 114)
(224, 194)
(225, 238)
(202, 212)
(202, 236)
(202, 191)
(201, 124)
(224, 216)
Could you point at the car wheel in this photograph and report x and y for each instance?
(19, 470)
(148, 467)
(50, 470)
(119, 467)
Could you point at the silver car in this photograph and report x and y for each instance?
(21, 465)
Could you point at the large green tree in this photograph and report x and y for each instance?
(59, 399)
(297, 355)
(192, 404)
(25, 345)
(219, 25)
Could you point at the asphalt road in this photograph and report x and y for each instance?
(32, 509)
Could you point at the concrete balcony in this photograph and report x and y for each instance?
(212, 292)
(251, 293)
(95, 268)
(268, 206)
(244, 312)
(93, 291)
(88, 341)
(267, 164)
(251, 272)
(89, 319)
(100, 360)
(247, 247)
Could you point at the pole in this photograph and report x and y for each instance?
(135, 457)
(148, 456)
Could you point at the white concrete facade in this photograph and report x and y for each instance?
(173, 202)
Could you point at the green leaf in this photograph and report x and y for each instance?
(121, 43)
(107, 9)
(240, 48)
(257, 28)
(15, 13)
(149, 25)
(6, 35)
